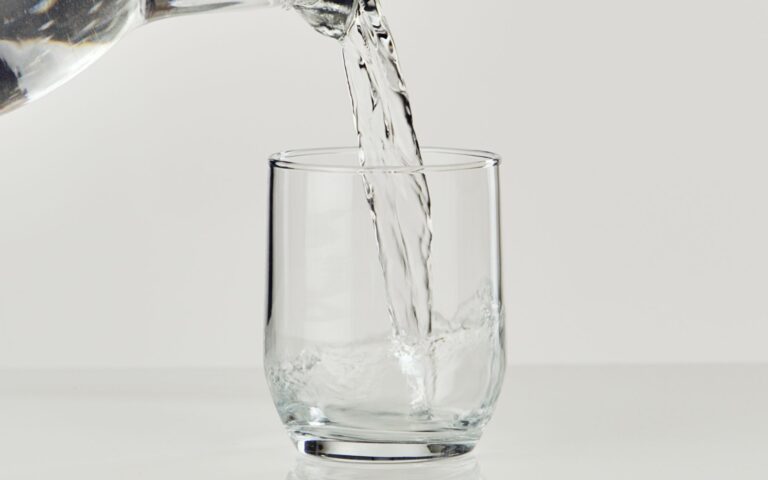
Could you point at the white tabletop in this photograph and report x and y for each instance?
(564, 423)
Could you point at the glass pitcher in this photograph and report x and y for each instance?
(44, 43)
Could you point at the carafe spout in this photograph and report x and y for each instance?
(331, 18)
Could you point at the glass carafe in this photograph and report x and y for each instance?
(44, 43)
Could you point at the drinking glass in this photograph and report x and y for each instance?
(347, 381)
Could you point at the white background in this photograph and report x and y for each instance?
(133, 199)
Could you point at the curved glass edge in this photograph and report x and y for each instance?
(291, 160)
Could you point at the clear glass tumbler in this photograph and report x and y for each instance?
(347, 383)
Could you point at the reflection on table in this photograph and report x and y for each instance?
(465, 467)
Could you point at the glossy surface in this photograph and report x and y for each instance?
(707, 422)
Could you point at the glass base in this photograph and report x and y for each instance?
(380, 452)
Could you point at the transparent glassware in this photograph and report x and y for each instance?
(339, 377)
(44, 43)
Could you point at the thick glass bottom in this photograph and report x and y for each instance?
(380, 452)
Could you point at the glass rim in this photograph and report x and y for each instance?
(474, 159)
